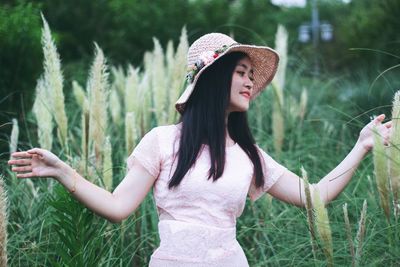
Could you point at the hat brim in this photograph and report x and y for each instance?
(264, 63)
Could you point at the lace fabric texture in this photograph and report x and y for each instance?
(197, 245)
(198, 218)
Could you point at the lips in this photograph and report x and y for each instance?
(246, 94)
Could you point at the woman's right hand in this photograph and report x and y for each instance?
(35, 162)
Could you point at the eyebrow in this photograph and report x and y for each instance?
(246, 67)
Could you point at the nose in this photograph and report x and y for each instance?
(249, 84)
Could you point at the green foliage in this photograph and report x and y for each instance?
(82, 234)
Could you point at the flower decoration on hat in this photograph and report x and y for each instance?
(204, 59)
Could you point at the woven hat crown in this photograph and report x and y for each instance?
(208, 42)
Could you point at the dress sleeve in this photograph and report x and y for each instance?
(147, 152)
(272, 171)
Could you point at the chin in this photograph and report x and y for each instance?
(240, 108)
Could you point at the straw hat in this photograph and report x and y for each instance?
(210, 47)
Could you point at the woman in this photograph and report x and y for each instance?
(203, 168)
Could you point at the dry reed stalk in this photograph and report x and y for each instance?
(43, 114)
(278, 85)
(323, 226)
(348, 234)
(130, 132)
(53, 80)
(360, 234)
(79, 93)
(381, 173)
(107, 166)
(158, 83)
(394, 154)
(98, 105)
(14, 137)
(3, 222)
(309, 208)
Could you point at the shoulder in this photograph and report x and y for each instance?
(165, 135)
(166, 131)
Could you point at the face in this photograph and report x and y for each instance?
(242, 86)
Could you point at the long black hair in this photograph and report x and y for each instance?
(203, 122)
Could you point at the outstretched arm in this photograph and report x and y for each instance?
(290, 187)
(114, 206)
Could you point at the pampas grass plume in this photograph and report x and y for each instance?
(394, 153)
(42, 112)
(54, 81)
(360, 234)
(3, 223)
(130, 132)
(381, 173)
(107, 166)
(79, 93)
(323, 227)
(310, 218)
(98, 105)
(14, 136)
(348, 233)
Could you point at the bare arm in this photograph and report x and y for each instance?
(290, 187)
(114, 206)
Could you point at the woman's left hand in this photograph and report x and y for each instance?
(366, 138)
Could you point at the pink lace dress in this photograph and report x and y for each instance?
(197, 220)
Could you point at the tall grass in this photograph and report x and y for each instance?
(50, 228)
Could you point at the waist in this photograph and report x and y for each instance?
(184, 241)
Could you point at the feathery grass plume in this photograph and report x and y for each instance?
(85, 135)
(14, 137)
(158, 83)
(145, 112)
(43, 114)
(281, 40)
(107, 166)
(323, 226)
(97, 88)
(131, 94)
(348, 233)
(115, 106)
(130, 132)
(79, 93)
(278, 84)
(177, 74)
(54, 81)
(3, 222)
(310, 217)
(360, 234)
(394, 154)
(303, 103)
(169, 56)
(118, 79)
(381, 173)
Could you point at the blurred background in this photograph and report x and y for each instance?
(328, 39)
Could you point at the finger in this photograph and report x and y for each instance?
(22, 169)
(25, 175)
(21, 154)
(19, 162)
(380, 118)
(388, 124)
(36, 151)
